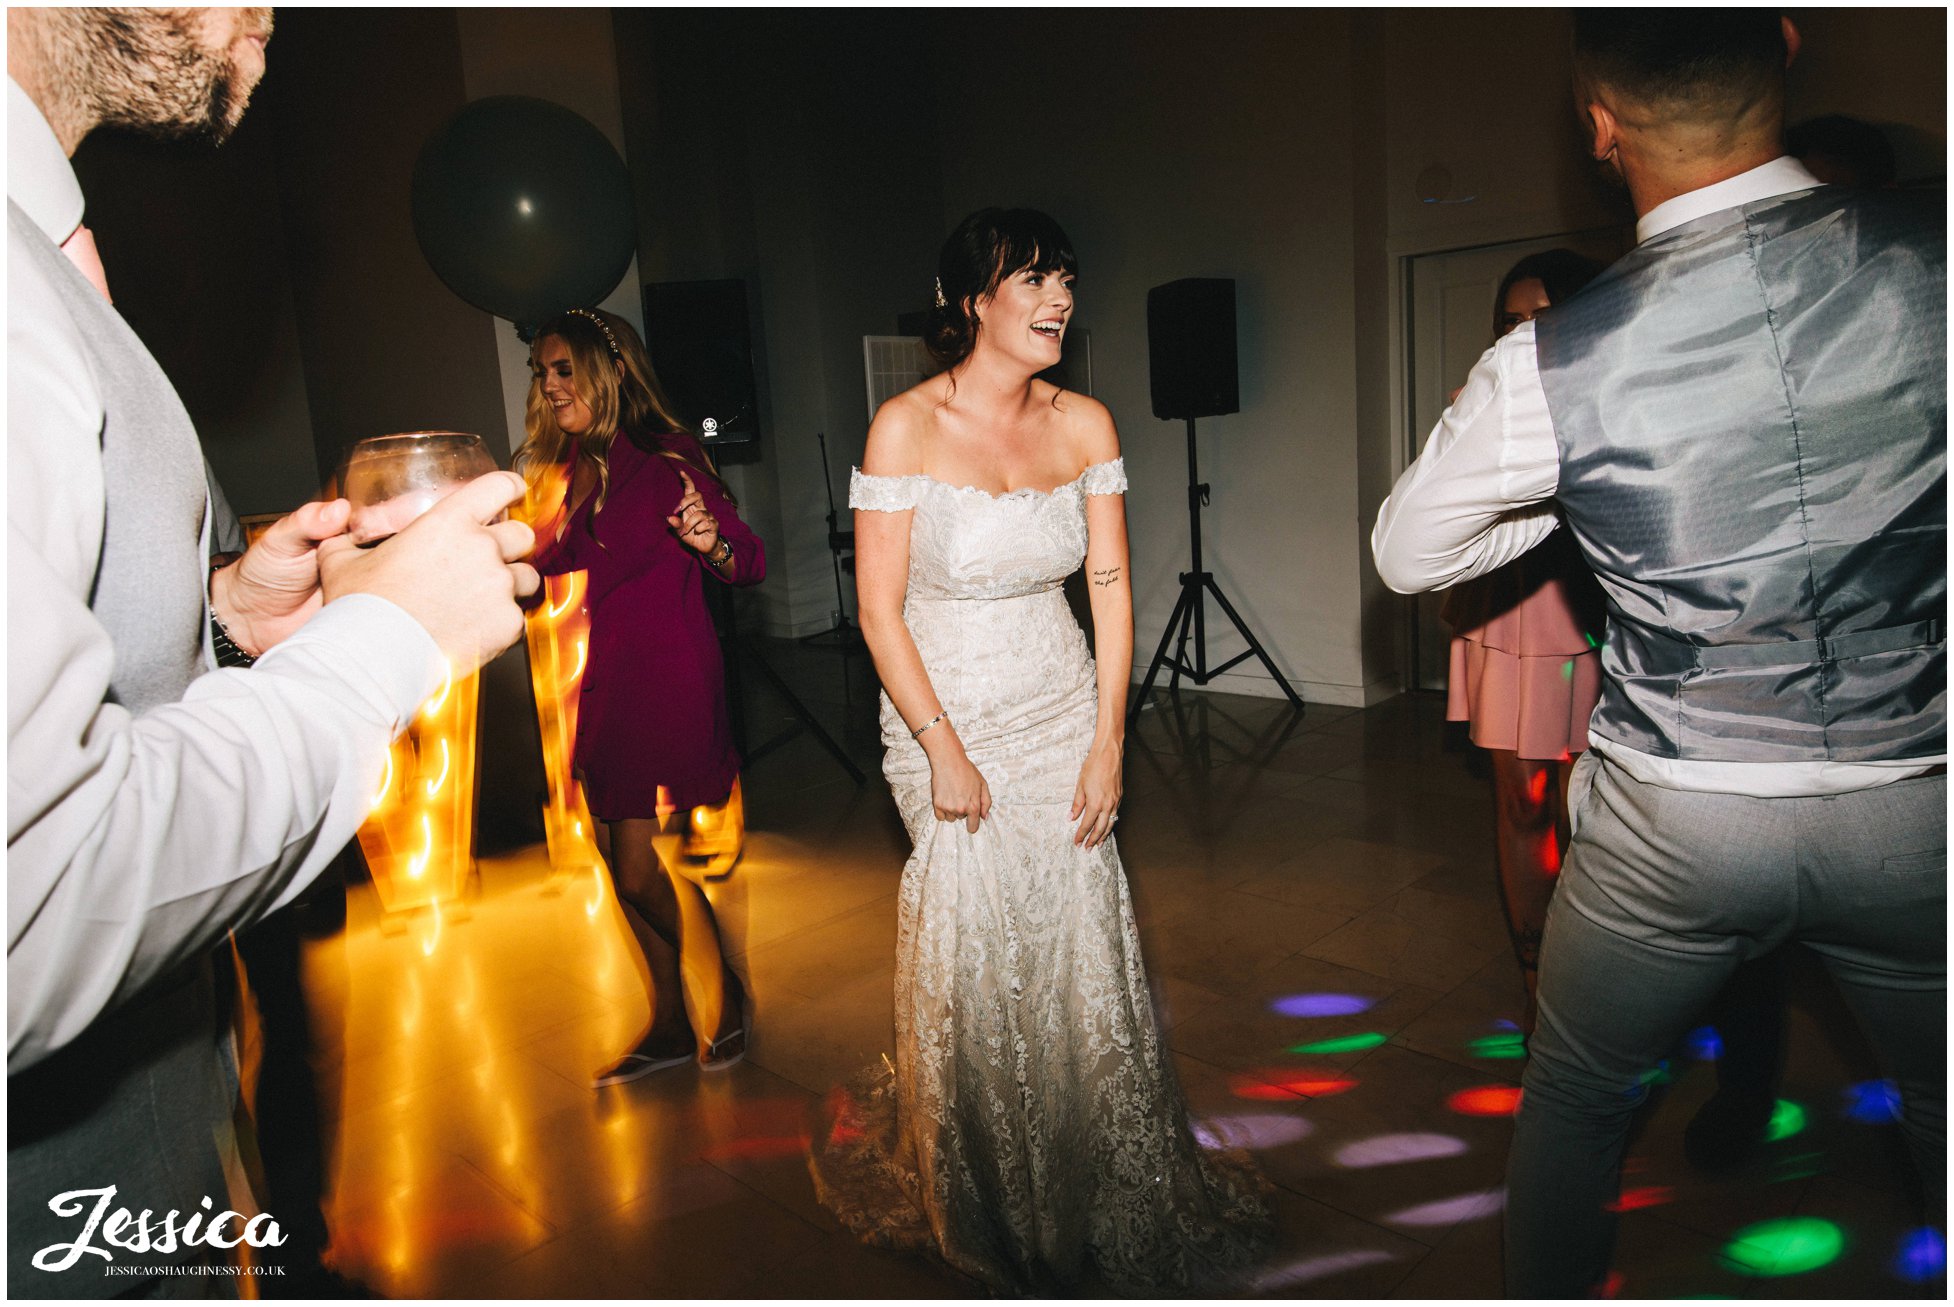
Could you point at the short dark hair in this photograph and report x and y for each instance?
(1706, 60)
(987, 247)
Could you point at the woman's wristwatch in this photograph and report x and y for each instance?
(722, 554)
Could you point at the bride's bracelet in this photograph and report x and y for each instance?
(943, 716)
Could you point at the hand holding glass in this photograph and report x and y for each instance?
(391, 480)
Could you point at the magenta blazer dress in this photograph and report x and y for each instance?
(654, 686)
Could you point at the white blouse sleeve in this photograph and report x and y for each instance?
(885, 494)
(1475, 499)
(1108, 478)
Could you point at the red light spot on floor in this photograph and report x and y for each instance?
(1611, 1287)
(1654, 1195)
(775, 1146)
(1285, 1086)
(1487, 1100)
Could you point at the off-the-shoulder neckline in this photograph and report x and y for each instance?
(1032, 492)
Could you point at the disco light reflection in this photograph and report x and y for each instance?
(1704, 1044)
(1922, 1257)
(1634, 1200)
(1486, 1100)
(1391, 1150)
(1342, 1044)
(1284, 1086)
(1317, 1268)
(1255, 1131)
(1787, 1119)
(1452, 1211)
(1320, 1005)
(1790, 1245)
(1507, 1046)
(1873, 1102)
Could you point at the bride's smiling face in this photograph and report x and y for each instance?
(1027, 315)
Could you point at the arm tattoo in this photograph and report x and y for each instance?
(1105, 576)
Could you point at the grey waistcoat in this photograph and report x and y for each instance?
(139, 1101)
(1752, 418)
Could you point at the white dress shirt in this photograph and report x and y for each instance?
(136, 840)
(1480, 495)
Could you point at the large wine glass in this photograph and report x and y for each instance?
(391, 480)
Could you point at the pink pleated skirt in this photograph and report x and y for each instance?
(1525, 656)
(1537, 707)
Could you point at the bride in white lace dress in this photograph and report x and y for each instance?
(1033, 1131)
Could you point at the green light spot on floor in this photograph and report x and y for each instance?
(1789, 1246)
(1507, 1046)
(1787, 1119)
(1343, 1044)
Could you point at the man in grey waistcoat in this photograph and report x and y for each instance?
(1744, 422)
(186, 749)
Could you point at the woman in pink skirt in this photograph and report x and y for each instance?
(1526, 667)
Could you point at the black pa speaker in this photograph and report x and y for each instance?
(702, 350)
(1191, 348)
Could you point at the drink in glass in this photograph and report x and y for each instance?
(391, 480)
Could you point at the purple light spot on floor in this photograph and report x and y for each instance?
(1451, 1211)
(1316, 1268)
(1704, 1044)
(1321, 1005)
(1922, 1256)
(1251, 1130)
(1389, 1150)
(1873, 1102)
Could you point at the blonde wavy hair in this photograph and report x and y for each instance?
(611, 372)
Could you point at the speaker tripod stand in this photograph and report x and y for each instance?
(844, 634)
(1190, 612)
(743, 653)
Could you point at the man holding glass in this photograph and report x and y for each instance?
(155, 803)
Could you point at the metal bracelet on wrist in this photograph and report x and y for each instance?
(229, 652)
(943, 716)
(724, 550)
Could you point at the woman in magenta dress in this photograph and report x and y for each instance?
(647, 517)
(1525, 666)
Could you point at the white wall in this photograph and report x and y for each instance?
(1211, 144)
(793, 151)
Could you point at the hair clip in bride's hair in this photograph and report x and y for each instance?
(602, 326)
(941, 303)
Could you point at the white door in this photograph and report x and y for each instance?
(1451, 298)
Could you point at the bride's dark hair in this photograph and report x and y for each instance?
(987, 247)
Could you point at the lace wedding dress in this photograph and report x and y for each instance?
(1032, 1130)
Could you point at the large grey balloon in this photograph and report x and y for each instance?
(523, 208)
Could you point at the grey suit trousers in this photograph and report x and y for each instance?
(1663, 894)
